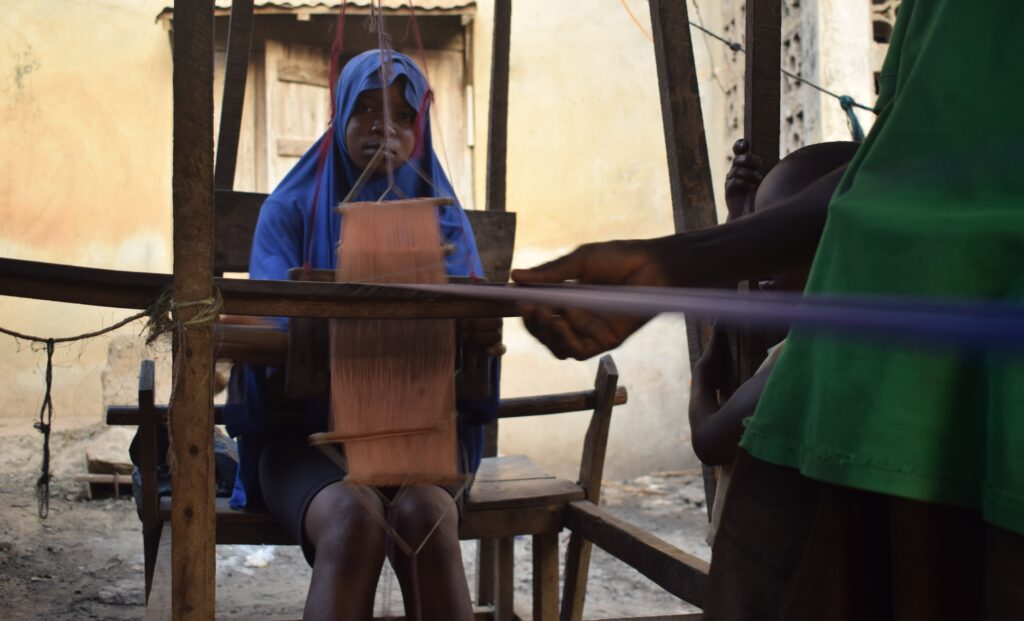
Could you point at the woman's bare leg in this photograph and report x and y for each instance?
(434, 582)
(349, 543)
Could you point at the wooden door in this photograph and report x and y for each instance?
(297, 103)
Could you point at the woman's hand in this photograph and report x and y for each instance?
(483, 333)
(742, 180)
(581, 334)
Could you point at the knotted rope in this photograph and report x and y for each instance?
(160, 320)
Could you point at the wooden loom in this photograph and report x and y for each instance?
(193, 510)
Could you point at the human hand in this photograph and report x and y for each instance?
(484, 333)
(742, 180)
(578, 333)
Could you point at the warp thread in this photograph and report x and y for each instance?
(391, 377)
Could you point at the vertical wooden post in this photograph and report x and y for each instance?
(497, 117)
(761, 90)
(577, 556)
(497, 149)
(192, 508)
(152, 525)
(545, 577)
(689, 171)
(761, 126)
(233, 98)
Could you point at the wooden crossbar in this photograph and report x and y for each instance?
(516, 407)
(674, 570)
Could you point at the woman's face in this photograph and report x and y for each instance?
(365, 131)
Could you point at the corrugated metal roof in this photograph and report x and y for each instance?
(391, 4)
(331, 6)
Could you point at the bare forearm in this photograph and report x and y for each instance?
(769, 241)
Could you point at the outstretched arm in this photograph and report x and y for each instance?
(769, 241)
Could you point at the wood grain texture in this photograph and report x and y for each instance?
(542, 405)
(237, 212)
(486, 558)
(192, 515)
(158, 603)
(139, 290)
(577, 565)
(678, 572)
(595, 443)
(233, 97)
(504, 606)
(497, 115)
(152, 525)
(689, 170)
(761, 91)
(545, 577)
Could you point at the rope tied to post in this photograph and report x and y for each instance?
(160, 319)
(847, 103)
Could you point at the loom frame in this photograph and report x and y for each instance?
(196, 188)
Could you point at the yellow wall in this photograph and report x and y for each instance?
(85, 179)
(586, 162)
(85, 120)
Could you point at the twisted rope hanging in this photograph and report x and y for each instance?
(160, 320)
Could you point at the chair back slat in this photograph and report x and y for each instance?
(235, 215)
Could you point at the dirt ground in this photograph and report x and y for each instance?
(85, 560)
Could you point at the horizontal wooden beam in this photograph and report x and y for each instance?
(555, 404)
(508, 408)
(693, 616)
(271, 298)
(678, 572)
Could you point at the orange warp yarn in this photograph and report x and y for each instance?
(392, 386)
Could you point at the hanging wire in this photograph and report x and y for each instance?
(847, 102)
(736, 47)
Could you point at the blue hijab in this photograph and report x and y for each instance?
(290, 226)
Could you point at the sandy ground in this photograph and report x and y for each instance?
(85, 560)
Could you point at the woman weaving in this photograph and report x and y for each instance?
(340, 526)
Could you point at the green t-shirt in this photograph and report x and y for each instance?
(931, 206)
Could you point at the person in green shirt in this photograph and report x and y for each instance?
(874, 480)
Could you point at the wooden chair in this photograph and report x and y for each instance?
(511, 495)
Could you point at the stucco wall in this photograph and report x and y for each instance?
(85, 120)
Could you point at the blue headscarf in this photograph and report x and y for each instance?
(289, 221)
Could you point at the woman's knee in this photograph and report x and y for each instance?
(341, 520)
(425, 511)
